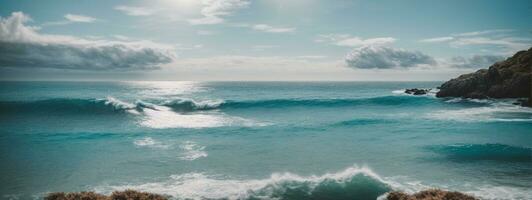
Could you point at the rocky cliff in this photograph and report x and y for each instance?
(505, 79)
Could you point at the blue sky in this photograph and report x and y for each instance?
(258, 39)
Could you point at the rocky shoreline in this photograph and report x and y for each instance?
(510, 78)
(116, 195)
(431, 194)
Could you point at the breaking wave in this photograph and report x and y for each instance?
(496, 152)
(67, 106)
(113, 105)
(351, 183)
(187, 105)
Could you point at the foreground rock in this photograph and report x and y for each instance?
(124, 195)
(432, 194)
(505, 79)
(416, 91)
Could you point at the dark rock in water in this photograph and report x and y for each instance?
(506, 79)
(524, 102)
(123, 195)
(416, 91)
(432, 194)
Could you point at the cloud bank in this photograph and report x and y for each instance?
(21, 46)
(476, 61)
(380, 57)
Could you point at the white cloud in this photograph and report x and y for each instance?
(379, 57)
(513, 43)
(353, 41)
(270, 29)
(71, 18)
(80, 18)
(23, 46)
(214, 11)
(135, 11)
(484, 32)
(503, 40)
(437, 39)
(476, 61)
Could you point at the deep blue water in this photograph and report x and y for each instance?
(253, 140)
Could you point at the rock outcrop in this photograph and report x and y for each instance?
(416, 91)
(117, 195)
(432, 194)
(505, 79)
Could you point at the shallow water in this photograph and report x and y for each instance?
(259, 140)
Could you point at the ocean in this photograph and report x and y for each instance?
(259, 140)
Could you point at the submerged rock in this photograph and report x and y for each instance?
(505, 79)
(117, 195)
(524, 102)
(416, 91)
(432, 194)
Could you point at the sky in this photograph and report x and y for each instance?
(258, 40)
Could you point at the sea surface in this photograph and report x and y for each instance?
(259, 140)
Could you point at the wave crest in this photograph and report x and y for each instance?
(67, 106)
(187, 105)
(351, 183)
(114, 105)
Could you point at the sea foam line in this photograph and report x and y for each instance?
(150, 142)
(192, 151)
(496, 111)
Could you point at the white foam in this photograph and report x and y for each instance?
(500, 192)
(399, 91)
(192, 151)
(12, 196)
(459, 99)
(197, 105)
(163, 117)
(430, 93)
(120, 105)
(150, 142)
(496, 111)
(202, 186)
(485, 192)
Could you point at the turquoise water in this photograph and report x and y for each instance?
(258, 140)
